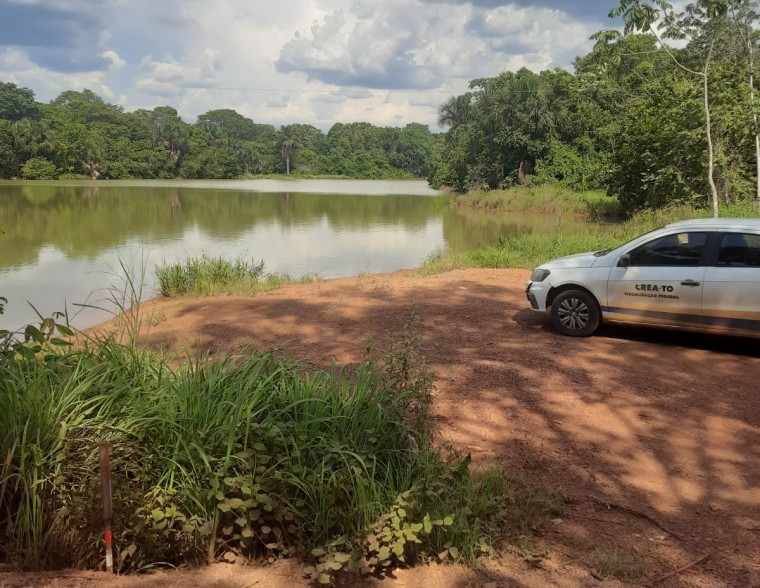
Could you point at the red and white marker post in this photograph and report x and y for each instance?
(105, 485)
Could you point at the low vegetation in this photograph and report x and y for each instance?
(527, 250)
(245, 455)
(620, 564)
(547, 198)
(208, 276)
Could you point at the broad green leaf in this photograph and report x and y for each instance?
(230, 556)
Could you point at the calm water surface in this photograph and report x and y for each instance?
(65, 243)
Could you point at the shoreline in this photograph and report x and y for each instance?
(301, 185)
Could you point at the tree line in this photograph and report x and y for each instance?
(78, 134)
(648, 122)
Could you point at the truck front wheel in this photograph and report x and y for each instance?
(575, 313)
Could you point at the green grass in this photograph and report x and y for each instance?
(245, 455)
(545, 199)
(209, 276)
(527, 250)
(623, 565)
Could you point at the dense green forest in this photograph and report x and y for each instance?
(649, 123)
(631, 119)
(79, 134)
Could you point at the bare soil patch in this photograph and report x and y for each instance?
(652, 437)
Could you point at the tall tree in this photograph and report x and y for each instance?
(287, 148)
(455, 111)
(745, 16)
(639, 15)
(16, 103)
(227, 123)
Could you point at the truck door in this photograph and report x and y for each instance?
(732, 285)
(660, 282)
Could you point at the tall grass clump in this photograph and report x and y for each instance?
(246, 455)
(208, 276)
(529, 249)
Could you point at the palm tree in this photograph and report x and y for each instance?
(287, 148)
(30, 139)
(455, 111)
(529, 109)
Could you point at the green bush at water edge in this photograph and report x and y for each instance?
(208, 276)
(39, 168)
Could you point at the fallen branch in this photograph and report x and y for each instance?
(680, 570)
(634, 512)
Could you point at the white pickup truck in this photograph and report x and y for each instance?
(699, 274)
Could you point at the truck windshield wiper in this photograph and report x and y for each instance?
(602, 253)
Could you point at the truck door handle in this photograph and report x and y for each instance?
(691, 283)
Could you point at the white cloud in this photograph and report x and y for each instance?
(117, 62)
(16, 67)
(308, 61)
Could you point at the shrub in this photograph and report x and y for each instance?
(38, 168)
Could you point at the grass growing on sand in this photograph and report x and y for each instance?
(208, 276)
(527, 250)
(545, 199)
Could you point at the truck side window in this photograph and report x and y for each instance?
(739, 250)
(678, 249)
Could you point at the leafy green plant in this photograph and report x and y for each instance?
(395, 538)
(39, 168)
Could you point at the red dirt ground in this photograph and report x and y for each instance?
(652, 437)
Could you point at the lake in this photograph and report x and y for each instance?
(64, 243)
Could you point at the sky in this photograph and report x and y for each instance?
(386, 62)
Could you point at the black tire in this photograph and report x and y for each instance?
(575, 313)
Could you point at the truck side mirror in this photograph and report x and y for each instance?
(624, 260)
